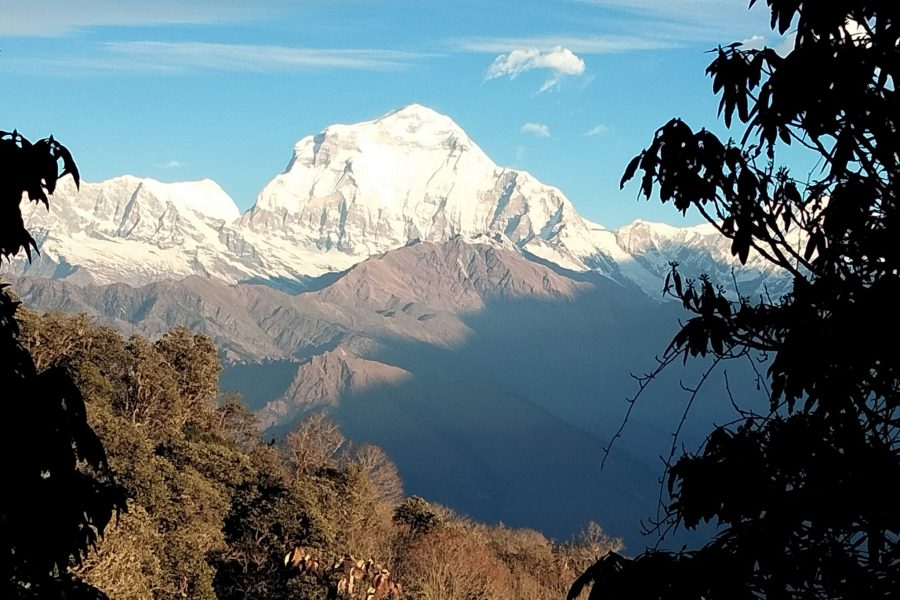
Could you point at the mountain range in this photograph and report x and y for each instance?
(459, 314)
(348, 193)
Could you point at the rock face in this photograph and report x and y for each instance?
(323, 380)
(349, 192)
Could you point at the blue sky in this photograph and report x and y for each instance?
(566, 89)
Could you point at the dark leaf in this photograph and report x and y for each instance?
(630, 170)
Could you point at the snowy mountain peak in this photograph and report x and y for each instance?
(415, 114)
(205, 197)
(132, 229)
(413, 128)
(417, 123)
(363, 189)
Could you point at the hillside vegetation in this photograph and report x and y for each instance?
(214, 509)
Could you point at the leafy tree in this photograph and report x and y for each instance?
(194, 359)
(126, 564)
(450, 564)
(417, 515)
(804, 495)
(58, 493)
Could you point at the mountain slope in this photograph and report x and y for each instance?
(440, 352)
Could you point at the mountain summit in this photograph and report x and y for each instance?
(413, 174)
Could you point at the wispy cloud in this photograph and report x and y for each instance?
(47, 18)
(561, 62)
(182, 57)
(724, 16)
(591, 44)
(597, 131)
(535, 129)
(172, 164)
(252, 57)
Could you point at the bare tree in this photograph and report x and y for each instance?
(381, 471)
(316, 442)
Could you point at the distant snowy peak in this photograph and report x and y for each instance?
(133, 230)
(204, 197)
(122, 202)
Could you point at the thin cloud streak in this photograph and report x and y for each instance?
(251, 57)
(710, 12)
(172, 164)
(691, 21)
(596, 44)
(184, 57)
(51, 18)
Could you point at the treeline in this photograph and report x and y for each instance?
(214, 509)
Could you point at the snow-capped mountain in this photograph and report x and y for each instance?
(134, 230)
(413, 174)
(349, 192)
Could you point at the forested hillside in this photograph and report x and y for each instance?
(214, 509)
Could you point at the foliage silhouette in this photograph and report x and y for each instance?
(804, 496)
(58, 494)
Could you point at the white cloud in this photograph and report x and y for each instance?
(756, 42)
(535, 129)
(597, 131)
(520, 154)
(561, 62)
(857, 32)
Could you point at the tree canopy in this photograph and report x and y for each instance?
(804, 495)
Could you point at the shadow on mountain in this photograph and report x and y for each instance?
(496, 456)
(259, 383)
(294, 286)
(512, 424)
(505, 410)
